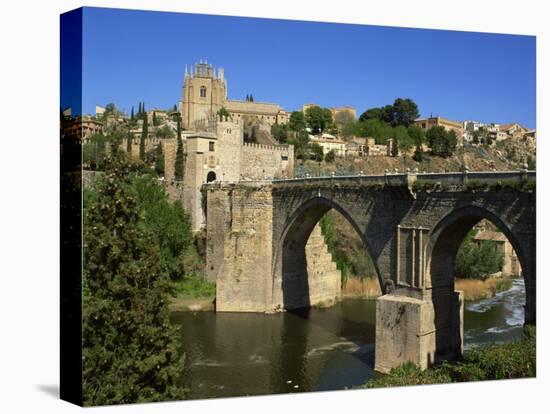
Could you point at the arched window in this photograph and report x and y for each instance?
(211, 177)
(203, 91)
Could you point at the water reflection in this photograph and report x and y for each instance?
(235, 354)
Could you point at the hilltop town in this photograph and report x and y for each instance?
(227, 140)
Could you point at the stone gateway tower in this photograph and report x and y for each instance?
(204, 93)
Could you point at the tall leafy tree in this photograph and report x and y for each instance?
(132, 113)
(179, 162)
(442, 142)
(130, 350)
(297, 121)
(404, 112)
(318, 119)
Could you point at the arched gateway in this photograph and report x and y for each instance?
(411, 226)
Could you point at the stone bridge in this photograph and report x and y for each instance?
(411, 226)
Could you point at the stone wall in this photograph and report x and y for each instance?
(239, 256)
(264, 162)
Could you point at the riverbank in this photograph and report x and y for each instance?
(488, 362)
(192, 293)
(367, 287)
(474, 289)
(477, 289)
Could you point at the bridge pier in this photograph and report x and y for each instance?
(422, 329)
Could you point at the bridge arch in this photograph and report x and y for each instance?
(445, 240)
(289, 273)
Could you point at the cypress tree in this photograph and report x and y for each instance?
(144, 136)
(130, 349)
(159, 160)
(129, 144)
(132, 113)
(179, 163)
(155, 123)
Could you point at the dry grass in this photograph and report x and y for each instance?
(475, 289)
(361, 287)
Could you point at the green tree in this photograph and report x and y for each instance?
(129, 137)
(297, 121)
(301, 145)
(144, 136)
(155, 120)
(394, 150)
(418, 155)
(318, 119)
(316, 152)
(402, 135)
(179, 163)
(442, 142)
(223, 114)
(164, 132)
(132, 113)
(375, 128)
(477, 260)
(94, 151)
(280, 132)
(383, 114)
(404, 112)
(130, 350)
(159, 160)
(417, 134)
(168, 222)
(329, 157)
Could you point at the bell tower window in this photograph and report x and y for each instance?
(203, 91)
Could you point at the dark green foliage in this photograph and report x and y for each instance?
(477, 259)
(403, 112)
(168, 222)
(442, 142)
(164, 132)
(144, 136)
(418, 154)
(280, 132)
(297, 121)
(346, 248)
(159, 160)
(179, 162)
(94, 152)
(489, 362)
(129, 138)
(394, 147)
(301, 145)
(316, 152)
(329, 157)
(155, 120)
(531, 163)
(375, 128)
(416, 134)
(223, 114)
(318, 119)
(130, 350)
(132, 113)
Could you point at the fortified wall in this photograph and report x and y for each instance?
(219, 154)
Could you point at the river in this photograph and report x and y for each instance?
(236, 354)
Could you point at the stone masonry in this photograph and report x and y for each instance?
(258, 233)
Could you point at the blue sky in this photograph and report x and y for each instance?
(132, 56)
